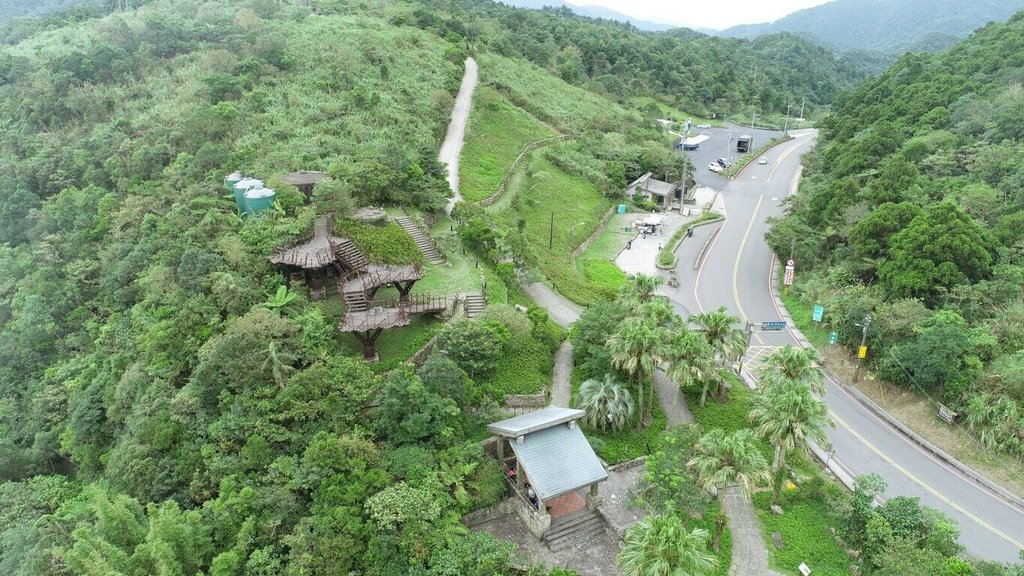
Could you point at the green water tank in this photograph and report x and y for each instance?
(231, 179)
(259, 200)
(241, 187)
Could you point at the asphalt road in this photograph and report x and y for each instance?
(736, 273)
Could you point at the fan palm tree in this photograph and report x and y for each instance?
(606, 402)
(786, 414)
(636, 348)
(640, 289)
(691, 361)
(722, 459)
(662, 546)
(790, 363)
(724, 334)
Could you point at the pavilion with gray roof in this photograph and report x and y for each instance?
(550, 453)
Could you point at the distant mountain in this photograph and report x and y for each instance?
(10, 10)
(591, 12)
(887, 25)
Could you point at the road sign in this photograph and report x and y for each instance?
(863, 352)
(819, 311)
(774, 326)
(833, 337)
(790, 268)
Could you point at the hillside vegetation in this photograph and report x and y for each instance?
(912, 211)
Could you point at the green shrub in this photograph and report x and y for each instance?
(524, 368)
(476, 346)
(804, 525)
(388, 244)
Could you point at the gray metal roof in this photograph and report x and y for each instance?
(558, 460)
(533, 421)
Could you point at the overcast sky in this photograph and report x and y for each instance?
(714, 14)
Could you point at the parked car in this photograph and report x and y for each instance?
(762, 161)
(715, 167)
(703, 126)
(723, 162)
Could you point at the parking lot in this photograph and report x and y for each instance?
(722, 144)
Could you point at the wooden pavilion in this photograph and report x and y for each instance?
(550, 453)
(305, 181)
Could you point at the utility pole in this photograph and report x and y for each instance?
(750, 337)
(802, 109)
(785, 128)
(863, 343)
(551, 232)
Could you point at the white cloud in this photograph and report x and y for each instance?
(714, 14)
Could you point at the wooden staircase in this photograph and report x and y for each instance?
(355, 300)
(351, 256)
(421, 239)
(576, 528)
(475, 304)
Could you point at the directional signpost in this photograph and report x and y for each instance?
(833, 337)
(787, 280)
(819, 311)
(773, 326)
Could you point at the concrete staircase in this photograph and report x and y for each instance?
(573, 529)
(351, 256)
(421, 239)
(475, 304)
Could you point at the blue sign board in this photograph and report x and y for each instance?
(773, 326)
(819, 311)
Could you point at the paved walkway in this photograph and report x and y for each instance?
(452, 146)
(561, 379)
(749, 553)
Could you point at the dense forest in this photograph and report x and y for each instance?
(911, 213)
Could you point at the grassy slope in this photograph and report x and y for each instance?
(496, 134)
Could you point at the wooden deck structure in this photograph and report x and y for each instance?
(366, 325)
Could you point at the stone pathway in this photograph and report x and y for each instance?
(561, 380)
(452, 145)
(672, 401)
(749, 553)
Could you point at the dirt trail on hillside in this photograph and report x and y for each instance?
(452, 146)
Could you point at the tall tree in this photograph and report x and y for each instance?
(724, 334)
(640, 289)
(636, 348)
(792, 364)
(661, 545)
(787, 414)
(722, 459)
(691, 361)
(607, 403)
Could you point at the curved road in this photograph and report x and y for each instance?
(736, 273)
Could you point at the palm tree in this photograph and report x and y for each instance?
(640, 289)
(606, 402)
(636, 348)
(662, 546)
(790, 363)
(722, 459)
(786, 414)
(691, 360)
(727, 338)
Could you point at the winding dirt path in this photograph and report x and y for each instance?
(452, 146)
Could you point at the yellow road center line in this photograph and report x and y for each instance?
(736, 265)
(933, 491)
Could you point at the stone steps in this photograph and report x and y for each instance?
(421, 239)
(475, 304)
(577, 528)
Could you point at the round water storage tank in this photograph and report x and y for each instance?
(231, 179)
(258, 200)
(243, 186)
